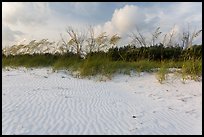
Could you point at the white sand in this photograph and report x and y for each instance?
(41, 102)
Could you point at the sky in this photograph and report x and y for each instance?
(26, 21)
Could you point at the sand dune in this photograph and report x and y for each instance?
(41, 102)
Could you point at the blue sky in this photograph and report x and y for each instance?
(103, 11)
(28, 21)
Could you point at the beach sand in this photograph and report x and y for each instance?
(42, 102)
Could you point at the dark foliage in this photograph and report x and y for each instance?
(156, 53)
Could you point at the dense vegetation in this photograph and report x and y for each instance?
(121, 60)
(157, 53)
(89, 54)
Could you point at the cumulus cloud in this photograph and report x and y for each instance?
(24, 21)
(123, 20)
(39, 20)
(9, 35)
(169, 18)
(48, 20)
(15, 13)
(126, 18)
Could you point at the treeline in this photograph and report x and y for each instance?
(133, 53)
(156, 53)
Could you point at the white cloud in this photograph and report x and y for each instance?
(15, 13)
(9, 35)
(129, 17)
(39, 20)
(34, 20)
(126, 18)
(30, 19)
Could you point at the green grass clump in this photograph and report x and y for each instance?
(94, 65)
(191, 68)
(102, 64)
(161, 74)
(72, 63)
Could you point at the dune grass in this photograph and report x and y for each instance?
(191, 68)
(28, 61)
(161, 74)
(103, 65)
